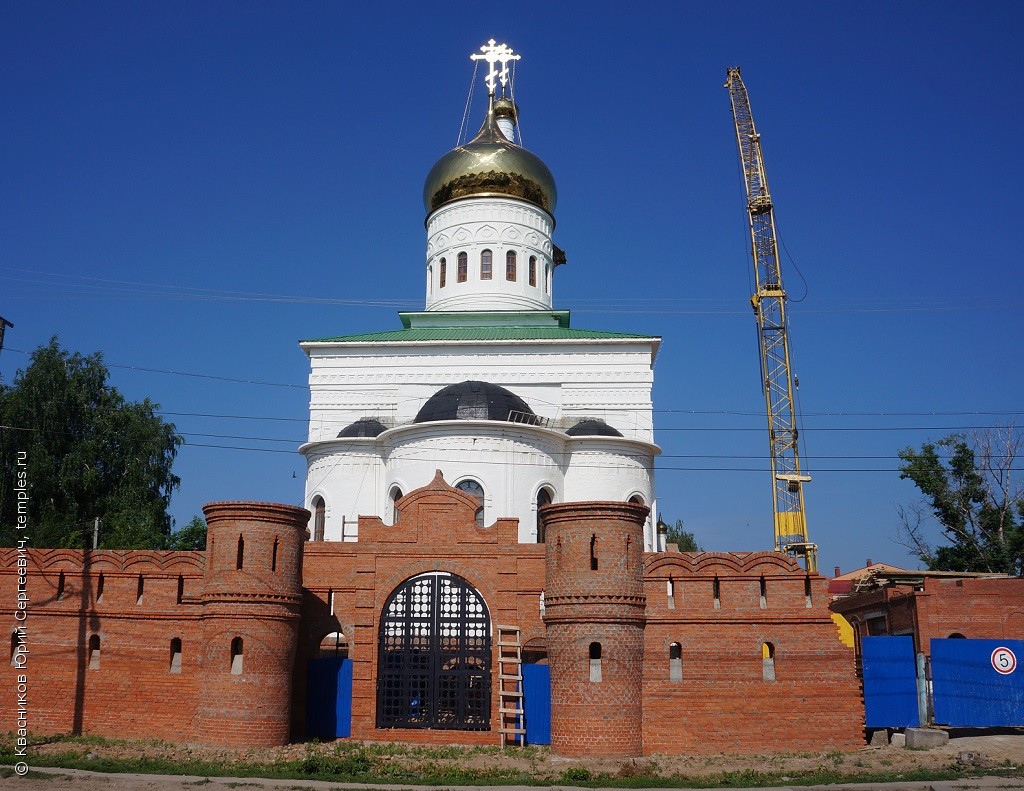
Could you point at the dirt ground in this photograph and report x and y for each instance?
(990, 751)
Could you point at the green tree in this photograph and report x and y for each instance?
(685, 540)
(972, 491)
(88, 452)
(190, 538)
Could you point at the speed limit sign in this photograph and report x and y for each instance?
(1004, 661)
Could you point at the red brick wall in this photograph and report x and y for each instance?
(722, 702)
(132, 692)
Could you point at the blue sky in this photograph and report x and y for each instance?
(194, 187)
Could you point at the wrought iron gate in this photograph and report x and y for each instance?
(434, 657)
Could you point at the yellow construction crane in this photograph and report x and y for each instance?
(769, 303)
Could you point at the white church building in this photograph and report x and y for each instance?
(489, 383)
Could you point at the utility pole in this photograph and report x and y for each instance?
(4, 324)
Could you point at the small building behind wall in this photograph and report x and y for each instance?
(934, 604)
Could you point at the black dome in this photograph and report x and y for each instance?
(471, 400)
(364, 427)
(592, 428)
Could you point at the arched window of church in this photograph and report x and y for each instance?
(533, 270)
(474, 489)
(595, 662)
(463, 268)
(768, 661)
(94, 652)
(636, 499)
(319, 518)
(442, 275)
(176, 655)
(236, 656)
(394, 497)
(510, 265)
(486, 265)
(544, 497)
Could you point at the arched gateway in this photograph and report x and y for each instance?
(434, 662)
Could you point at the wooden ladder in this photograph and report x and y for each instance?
(510, 686)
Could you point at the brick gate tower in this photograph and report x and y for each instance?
(594, 611)
(251, 599)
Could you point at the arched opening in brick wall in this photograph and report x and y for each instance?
(333, 646)
(768, 661)
(94, 652)
(175, 655)
(434, 656)
(675, 662)
(237, 653)
(595, 662)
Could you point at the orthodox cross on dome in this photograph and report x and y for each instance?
(494, 54)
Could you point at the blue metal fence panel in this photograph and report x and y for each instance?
(978, 683)
(329, 698)
(537, 703)
(890, 682)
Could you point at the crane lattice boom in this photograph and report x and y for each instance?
(769, 303)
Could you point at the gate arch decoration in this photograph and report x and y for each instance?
(434, 656)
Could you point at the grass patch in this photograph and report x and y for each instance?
(386, 764)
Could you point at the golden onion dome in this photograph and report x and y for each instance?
(490, 164)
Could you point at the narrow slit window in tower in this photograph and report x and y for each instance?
(240, 556)
(807, 591)
(763, 593)
(462, 275)
(176, 655)
(273, 555)
(99, 588)
(94, 652)
(593, 552)
(236, 656)
(330, 600)
(510, 265)
(60, 587)
(486, 265)
(595, 662)
(139, 589)
(670, 590)
(716, 591)
(181, 588)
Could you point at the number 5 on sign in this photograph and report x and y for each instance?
(1004, 660)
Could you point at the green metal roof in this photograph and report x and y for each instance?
(478, 334)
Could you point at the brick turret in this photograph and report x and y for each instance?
(251, 600)
(594, 614)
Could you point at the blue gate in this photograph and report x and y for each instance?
(978, 683)
(329, 698)
(537, 703)
(890, 682)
